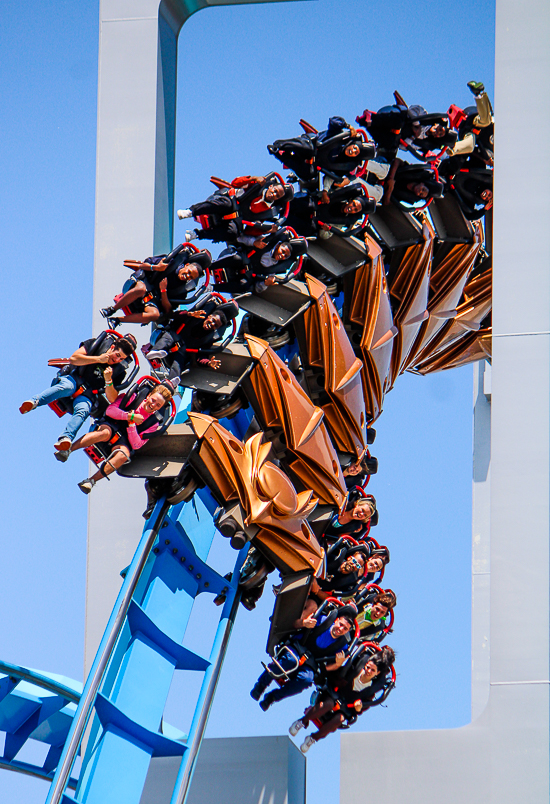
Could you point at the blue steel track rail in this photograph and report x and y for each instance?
(35, 707)
(115, 728)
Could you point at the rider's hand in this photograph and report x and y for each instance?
(163, 284)
(104, 358)
(358, 706)
(108, 374)
(214, 363)
(340, 658)
(270, 280)
(138, 418)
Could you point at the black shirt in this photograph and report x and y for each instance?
(92, 375)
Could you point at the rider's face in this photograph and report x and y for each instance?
(274, 192)
(115, 355)
(282, 252)
(154, 402)
(212, 322)
(353, 208)
(369, 672)
(340, 628)
(188, 272)
(352, 150)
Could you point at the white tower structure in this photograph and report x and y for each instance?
(502, 756)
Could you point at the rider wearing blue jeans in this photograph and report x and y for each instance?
(94, 374)
(318, 639)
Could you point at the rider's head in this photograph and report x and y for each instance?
(190, 271)
(121, 348)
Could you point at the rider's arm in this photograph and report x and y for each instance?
(338, 662)
(81, 358)
(164, 300)
(110, 391)
(114, 411)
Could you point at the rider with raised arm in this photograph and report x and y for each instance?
(349, 692)
(159, 286)
(126, 421)
(193, 331)
(93, 369)
(322, 641)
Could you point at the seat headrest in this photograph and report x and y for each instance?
(202, 258)
(230, 309)
(298, 246)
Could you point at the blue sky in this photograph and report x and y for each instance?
(247, 74)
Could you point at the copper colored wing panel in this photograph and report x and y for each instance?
(412, 285)
(267, 496)
(472, 346)
(379, 332)
(358, 304)
(447, 282)
(277, 390)
(475, 306)
(329, 346)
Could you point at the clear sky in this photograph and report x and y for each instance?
(246, 75)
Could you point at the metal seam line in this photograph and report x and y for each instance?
(500, 683)
(517, 334)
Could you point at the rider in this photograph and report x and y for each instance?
(88, 374)
(354, 518)
(374, 607)
(348, 693)
(239, 270)
(158, 286)
(341, 207)
(193, 331)
(258, 200)
(318, 640)
(125, 421)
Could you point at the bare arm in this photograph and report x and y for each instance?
(80, 358)
(110, 390)
(164, 300)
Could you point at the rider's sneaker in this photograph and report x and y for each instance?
(156, 354)
(306, 745)
(184, 213)
(191, 234)
(86, 485)
(62, 455)
(63, 444)
(28, 405)
(295, 728)
(476, 88)
(107, 312)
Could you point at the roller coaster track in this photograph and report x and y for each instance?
(266, 458)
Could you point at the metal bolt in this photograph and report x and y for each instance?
(174, 550)
(182, 559)
(198, 576)
(167, 541)
(155, 550)
(165, 524)
(206, 584)
(190, 568)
